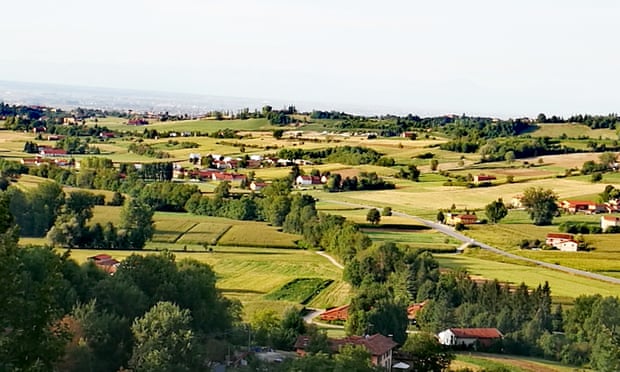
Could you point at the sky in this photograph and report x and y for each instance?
(497, 58)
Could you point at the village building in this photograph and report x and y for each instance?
(483, 178)
(563, 242)
(517, 201)
(413, 310)
(301, 181)
(469, 336)
(235, 178)
(105, 262)
(340, 313)
(465, 219)
(380, 347)
(588, 207)
(48, 151)
(257, 186)
(609, 221)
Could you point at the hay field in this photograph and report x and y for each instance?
(204, 233)
(257, 234)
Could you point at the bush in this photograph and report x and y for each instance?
(459, 226)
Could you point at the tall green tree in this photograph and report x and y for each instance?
(373, 216)
(496, 210)
(540, 204)
(164, 340)
(137, 223)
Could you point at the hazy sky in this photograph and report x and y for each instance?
(505, 58)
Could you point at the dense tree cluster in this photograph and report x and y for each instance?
(365, 181)
(153, 314)
(351, 155)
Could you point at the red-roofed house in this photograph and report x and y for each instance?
(337, 313)
(469, 336)
(48, 151)
(609, 221)
(105, 262)
(308, 180)
(484, 178)
(563, 242)
(412, 311)
(465, 219)
(257, 186)
(231, 177)
(589, 207)
(380, 347)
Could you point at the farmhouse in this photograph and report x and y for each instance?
(413, 310)
(609, 221)
(48, 151)
(465, 219)
(408, 135)
(469, 336)
(338, 313)
(257, 186)
(588, 207)
(517, 201)
(308, 180)
(563, 242)
(230, 177)
(380, 347)
(105, 262)
(484, 178)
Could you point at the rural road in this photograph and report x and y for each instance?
(465, 239)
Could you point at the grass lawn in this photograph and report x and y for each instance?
(563, 286)
(249, 274)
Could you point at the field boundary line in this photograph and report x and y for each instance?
(219, 236)
(183, 233)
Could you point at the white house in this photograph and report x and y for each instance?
(308, 180)
(609, 221)
(568, 246)
(563, 242)
(469, 336)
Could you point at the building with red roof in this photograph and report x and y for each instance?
(337, 313)
(469, 336)
(380, 347)
(609, 221)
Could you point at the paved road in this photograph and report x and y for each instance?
(455, 234)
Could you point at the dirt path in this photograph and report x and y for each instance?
(331, 259)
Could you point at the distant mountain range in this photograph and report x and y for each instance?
(69, 96)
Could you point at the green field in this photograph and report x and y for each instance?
(299, 290)
(572, 131)
(249, 274)
(563, 286)
(430, 240)
(479, 361)
(204, 233)
(257, 235)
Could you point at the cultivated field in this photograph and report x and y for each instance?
(572, 131)
(250, 274)
(564, 287)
